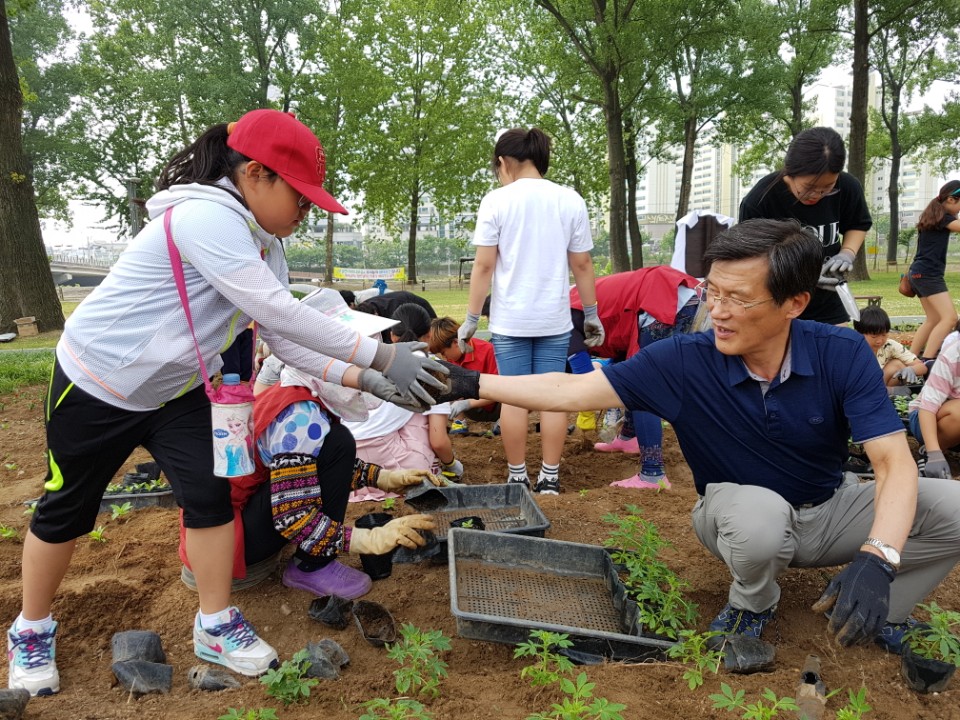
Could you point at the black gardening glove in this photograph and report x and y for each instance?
(860, 597)
(462, 384)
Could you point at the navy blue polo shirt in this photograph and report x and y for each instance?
(793, 440)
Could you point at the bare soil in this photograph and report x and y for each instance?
(132, 582)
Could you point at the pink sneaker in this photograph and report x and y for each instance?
(333, 579)
(644, 482)
(630, 447)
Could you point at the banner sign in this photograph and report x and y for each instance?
(397, 273)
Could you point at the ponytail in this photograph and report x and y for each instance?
(414, 322)
(933, 213)
(520, 144)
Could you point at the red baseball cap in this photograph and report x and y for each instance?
(289, 148)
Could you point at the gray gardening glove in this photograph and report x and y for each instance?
(373, 382)
(409, 370)
(907, 376)
(839, 265)
(467, 330)
(458, 407)
(592, 327)
(937, 465)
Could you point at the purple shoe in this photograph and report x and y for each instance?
(333, 579)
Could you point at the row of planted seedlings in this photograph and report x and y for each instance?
(664, 611)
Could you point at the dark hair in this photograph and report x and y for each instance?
(815, 151)
(205, 161)
(933, 213)
(443, 333)
(873, 321)
(414, 322)
(520, 144)
(348, 297)
(367, 307)
(793, 252)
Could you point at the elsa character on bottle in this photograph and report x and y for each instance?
(238, 446)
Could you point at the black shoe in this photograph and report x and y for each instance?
(547, 486)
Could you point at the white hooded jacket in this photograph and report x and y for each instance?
(129, 344)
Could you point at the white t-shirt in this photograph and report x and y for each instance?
(533, 224)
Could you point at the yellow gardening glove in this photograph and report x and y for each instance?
(396, 479)
(400, 531)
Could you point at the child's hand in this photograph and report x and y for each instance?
(907, 376)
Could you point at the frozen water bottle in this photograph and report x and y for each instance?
(232, 419)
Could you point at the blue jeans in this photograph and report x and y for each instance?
(530, 355)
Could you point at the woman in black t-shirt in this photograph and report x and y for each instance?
(813, 189)
(936, 223)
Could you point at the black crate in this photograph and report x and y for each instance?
(503, 586)
(505, 508)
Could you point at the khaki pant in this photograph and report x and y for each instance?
(758, 535)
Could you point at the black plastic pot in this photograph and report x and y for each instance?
(924, 674)
(469, 522)
(377, 567)
(331, 610)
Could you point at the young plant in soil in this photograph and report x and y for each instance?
(937, 638)
(8, 533)
(657, 590)
(98, 534)
(399, 709)
(389, 504)
(549, 666)
(118, 511)
(732, 701)
(31, 508)
(244, 714)
(579, 703)
(421, 668)
(692, 649)
(857, 706)
(288, 683)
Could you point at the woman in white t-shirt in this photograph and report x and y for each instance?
(531, 234)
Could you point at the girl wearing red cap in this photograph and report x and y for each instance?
(127, 372)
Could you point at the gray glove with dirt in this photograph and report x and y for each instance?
(593, 334)
(374, 382)
(409, 370)
(466, 331)
(936, 465)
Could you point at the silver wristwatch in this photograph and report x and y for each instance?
(891, 554)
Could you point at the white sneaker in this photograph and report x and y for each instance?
(33, 664)
(234, 644)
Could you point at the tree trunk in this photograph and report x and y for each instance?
(412, 235)
(26, 284)
(328, 249)
(633, 222)
(686, 174)
(857, 146)
(613, 114)
(893, 189)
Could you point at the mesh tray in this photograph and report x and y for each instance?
(505, 508)
(504, 586)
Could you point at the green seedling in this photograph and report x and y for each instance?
(8, 533)
(10, 466)
(244, 714)
(421, 668)
(937, 638)
(579, 703)
(98, 534)
(289, 683)
(118, 511)
(468, 524)
(857, 706)
(389, 503)
(732, 701)
(693, 650)
(549, 666)
(399, 709)
(658, 591)
(583, 492)
(31, 508)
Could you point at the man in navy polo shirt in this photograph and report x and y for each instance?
(763, 406)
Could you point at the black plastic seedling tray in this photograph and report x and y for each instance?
(504, 508)
(163, 498)
(503, 586)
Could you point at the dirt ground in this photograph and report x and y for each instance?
(132, 582)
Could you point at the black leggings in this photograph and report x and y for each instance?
(335, 473)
